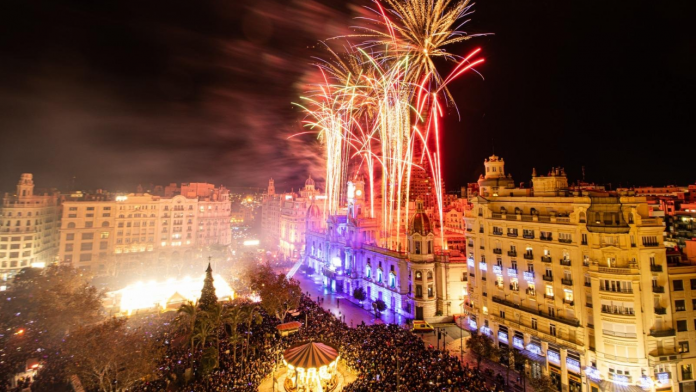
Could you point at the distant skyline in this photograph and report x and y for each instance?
(121, 94)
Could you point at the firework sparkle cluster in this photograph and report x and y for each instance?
(378, 106)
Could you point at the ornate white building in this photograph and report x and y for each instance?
(422, 282)
(577, 281)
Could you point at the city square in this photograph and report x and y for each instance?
(347, 195)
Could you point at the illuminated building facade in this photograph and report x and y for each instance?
(422, 282)
(29, 227)
(578, 280)
(284, 217)
(123, 231)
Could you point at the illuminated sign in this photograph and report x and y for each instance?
(534, 349)
(502, 336)
(483, 266)
(663, 378)
(573, 365)
(518, 342)
(472, 324)
(554, 357)
(486, 330)
(620, 379)
(646, 382)
(470, 262)
(528, 276)
(121, 198)
(592, 373)
(498, 270)
(512, 272)
(38, 264)
(251, 242)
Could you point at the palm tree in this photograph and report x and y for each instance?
(192, 314)
(205, 330)
(232, 317)
(252, 314)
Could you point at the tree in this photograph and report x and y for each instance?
(359, 294)
(208, 298)
(542, 384)
(232, 317)
(39, 309)
(519, 360)
(481, 346)
(379, 307)
(191, 314)
(107, 357)
(279, 295)
(251, 315)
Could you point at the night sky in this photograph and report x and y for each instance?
(121, 93)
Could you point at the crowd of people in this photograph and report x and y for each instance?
(369, 351)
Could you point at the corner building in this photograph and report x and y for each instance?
(577, 280)
(29, 228)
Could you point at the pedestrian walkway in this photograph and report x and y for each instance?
(339, 304)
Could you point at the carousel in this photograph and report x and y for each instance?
(311, 367)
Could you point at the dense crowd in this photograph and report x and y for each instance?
(370, 352)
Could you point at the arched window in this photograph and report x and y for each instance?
(71, 225)
(430, 275)
(582, 217)
(419, 275)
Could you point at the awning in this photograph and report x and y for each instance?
(289, 326)
(310, 355)
(609, 386)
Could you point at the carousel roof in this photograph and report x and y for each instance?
(310, 355)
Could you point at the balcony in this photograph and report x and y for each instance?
(588, 304)
(568, 302)
(498, 251)
(546, 238)
(549, 296)
(548, 278)
(565, 240)
(618, 311)
(528, 236)
(530, 292)
(658, 289)
(546, 259)
(571, 322)
(615, 290)
(528, 256)
(565, 262)
(651, 244)
(660, 310)
(497, 232)
(656, 268)
(514, 288)
(619, 334)
(512, 234)
(567, 282)
(512, 253)
(663, 333)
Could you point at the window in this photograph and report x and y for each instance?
(683, 347)
(104, 234)
(71, 225)
(552, 330)
(687, 372)
(584, 238)
(86, 257)
(89, 224)
(68, 247)
(70, 237)
(534, 324)
(693, 284)
(679, 305)
(419, 291)
(86, 246)
(87, 236)
(103, 245)
(502, 314)
(681, 326)
(678, 285)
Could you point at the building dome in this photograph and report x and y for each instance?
(310, 181)
(420, 223)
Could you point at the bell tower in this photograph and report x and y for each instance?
(25, 186)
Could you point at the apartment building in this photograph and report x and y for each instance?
(574, 279)
(29, 227)
(127, 231)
